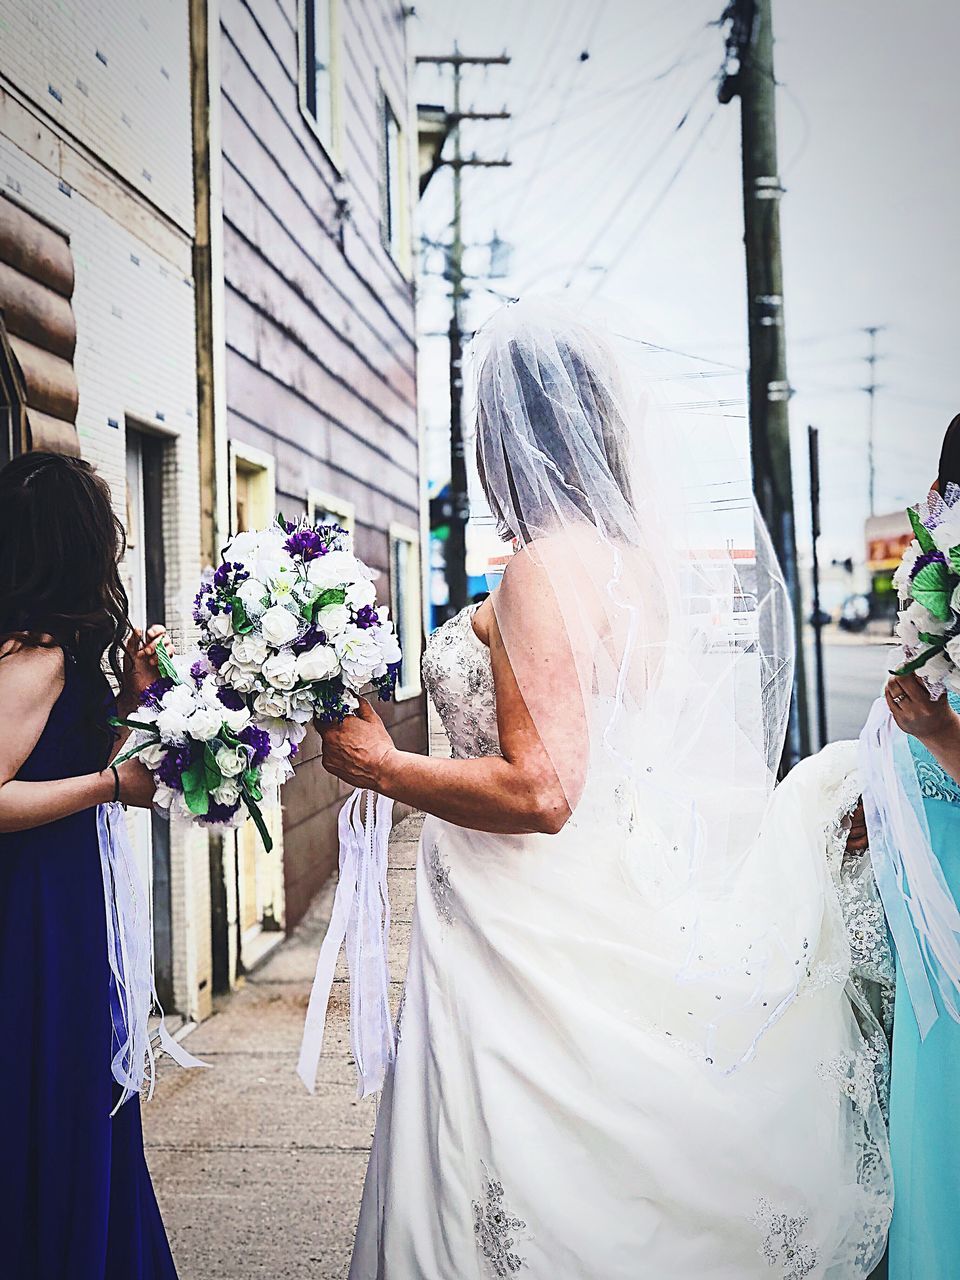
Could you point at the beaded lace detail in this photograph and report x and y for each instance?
(496, 1229)
(459, 678)
(783, 1246)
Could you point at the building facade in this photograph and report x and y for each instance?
(97, 333)
(309, 131)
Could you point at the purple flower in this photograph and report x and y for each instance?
(305, 543)
(309, 640)
(222, 576)
(218, 654)
(929, 557)
(294, 750)
(154, 692)
(200, 670)
(258, 740)
(219, 812)
(172, 766)
(232, 700)
(367, 617)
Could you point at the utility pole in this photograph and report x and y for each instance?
(750, 46)
(872, 387)
(456, 546)
(813, 442)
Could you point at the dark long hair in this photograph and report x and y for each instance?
(60, 545)
(949, 472)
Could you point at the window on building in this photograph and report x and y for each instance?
(253, 488)
(326, 508)
(393, 222)
(405, 605)
(317, 79)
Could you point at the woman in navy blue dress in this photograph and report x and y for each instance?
(76, 1199)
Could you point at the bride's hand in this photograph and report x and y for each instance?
(357, 750)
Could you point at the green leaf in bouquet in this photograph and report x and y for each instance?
(242, 623)
(953, 555)
(930, 637)
(167, 669)
(130, 724)
(212, 775)
(921, 659)
(195, 791)
(920, 531)
(332, 595)
(932, 587)
(257, 816)
(251, 783)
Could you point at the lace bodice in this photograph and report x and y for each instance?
(935, 782)
(459, 678)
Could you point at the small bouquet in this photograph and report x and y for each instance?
(928, 581)
(290, 623)
(210, 760)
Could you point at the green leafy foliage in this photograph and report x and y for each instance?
(932, 587)
(921, 532)
(195, 791)
(167, 669)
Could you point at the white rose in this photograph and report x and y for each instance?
(181, 698)
(250, 651)
(335, 569)
(146, 715)
(204, 724)
(279, 626)
(243, 679)
(390, 650)
(228, 793)
(302, 706)
(359, 656)
(235, 720)
(172, 725)
(275, 771)
(361, 594)
(220, 625)
(319, 663)
(272, 705)
(243, 548)
(251, 594)
(281, 669)
(272, 556)
(231, 761)
(152, 757)
(163, 798)
(333, 618)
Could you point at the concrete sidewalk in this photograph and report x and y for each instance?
(254, 1176)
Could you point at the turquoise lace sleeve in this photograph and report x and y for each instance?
(935, 782)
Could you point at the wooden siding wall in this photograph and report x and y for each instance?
(319, 323)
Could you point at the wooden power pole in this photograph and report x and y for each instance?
(456, 546)
(750, 48)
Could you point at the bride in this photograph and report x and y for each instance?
(629, 1045)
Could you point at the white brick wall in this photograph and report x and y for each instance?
(116, 75)
(134, 307)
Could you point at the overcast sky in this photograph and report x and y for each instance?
(606, 193)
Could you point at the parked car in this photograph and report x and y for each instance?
(855, 613)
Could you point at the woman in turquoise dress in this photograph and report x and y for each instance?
(925, 1076)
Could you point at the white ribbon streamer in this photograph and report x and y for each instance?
(920, 908)
(360, 919)
(130, 955)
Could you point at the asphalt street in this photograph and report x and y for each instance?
(855, 674)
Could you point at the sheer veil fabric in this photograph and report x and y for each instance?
(631, 1049)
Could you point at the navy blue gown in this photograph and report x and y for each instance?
(76, 1200)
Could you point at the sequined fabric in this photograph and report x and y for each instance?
(459, 678)
(782, 1243)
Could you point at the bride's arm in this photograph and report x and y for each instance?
(519, 793)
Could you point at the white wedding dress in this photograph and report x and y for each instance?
(545, 1115)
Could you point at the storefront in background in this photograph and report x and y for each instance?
(887, 538)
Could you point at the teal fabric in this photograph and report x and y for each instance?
(925, 1086)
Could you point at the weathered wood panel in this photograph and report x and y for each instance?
(321, 350)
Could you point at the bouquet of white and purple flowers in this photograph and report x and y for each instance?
(928, 581)
(210, 760)
(291, 625)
